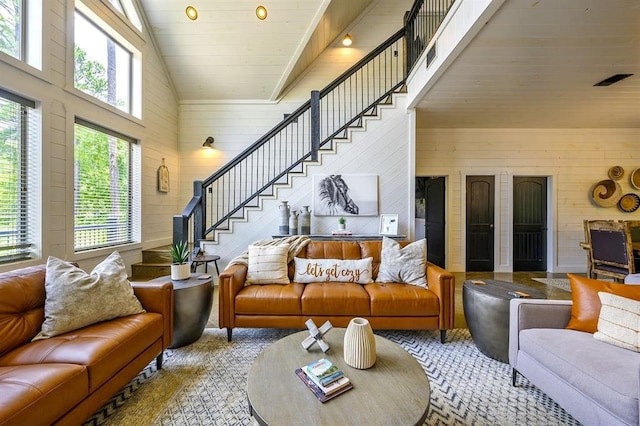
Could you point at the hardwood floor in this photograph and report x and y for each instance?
(524, 278)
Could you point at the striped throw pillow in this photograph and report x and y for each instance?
(619, 321)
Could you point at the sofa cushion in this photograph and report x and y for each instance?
(333, 270)
(274, 299)
(21, 306)
(40, 394)
(104, 348)
(585, 309)
(605, 373)
(267, 264)
(75, 299)
(401, 300)
(335, 299)
(406, 264)
(619, 321)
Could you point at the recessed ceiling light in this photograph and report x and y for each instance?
(261, 13)
(191, 12)
(613, 79)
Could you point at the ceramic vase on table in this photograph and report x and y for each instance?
(283, 229)
(305, 221)
(359, 344)
(180, 271)
(293, 222)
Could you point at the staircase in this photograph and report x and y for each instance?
(155, 263)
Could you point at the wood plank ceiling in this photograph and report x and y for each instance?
(533, 64)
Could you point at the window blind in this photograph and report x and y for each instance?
(19, 122)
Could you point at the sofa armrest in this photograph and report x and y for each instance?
(158, 298)
(534, 313)
(443, 284)
(230, 282)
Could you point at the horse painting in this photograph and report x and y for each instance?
(334, 196)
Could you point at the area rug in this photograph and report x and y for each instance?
(561, 283)
(204, 384)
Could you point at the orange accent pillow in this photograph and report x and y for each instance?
(586, 303)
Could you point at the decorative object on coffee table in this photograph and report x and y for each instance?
(316, 335)
(359, 344)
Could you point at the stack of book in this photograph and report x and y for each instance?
(324, 379)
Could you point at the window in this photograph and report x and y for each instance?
(19, 123)
(11, 27)
(21, 30)
(104, 207)
(103, 67)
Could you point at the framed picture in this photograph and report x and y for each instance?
(345, 195)
(389, 224)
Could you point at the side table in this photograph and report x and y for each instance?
(486, 310)
(204, 259)
(193, 299)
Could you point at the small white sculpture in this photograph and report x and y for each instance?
(316, 335)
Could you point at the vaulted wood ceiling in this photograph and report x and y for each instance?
(533, 64)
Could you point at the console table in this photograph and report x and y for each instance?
(352, 237)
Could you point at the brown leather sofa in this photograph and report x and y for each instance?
(385, 305)
(66, 378)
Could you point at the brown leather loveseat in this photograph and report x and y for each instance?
(66, 378)
(385, 305)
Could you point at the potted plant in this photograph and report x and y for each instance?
(342, 224)
(180, 268)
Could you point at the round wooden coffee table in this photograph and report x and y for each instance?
(395, 391)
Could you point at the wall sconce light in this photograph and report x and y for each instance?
(191, 12)
(347, 40)
(208, 143)
(261, 13)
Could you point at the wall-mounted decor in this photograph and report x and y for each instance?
(163, 178)
(345, 195)
(635, 178)
(606, 193)
(629, 203)
(616, 172)
(389, 224)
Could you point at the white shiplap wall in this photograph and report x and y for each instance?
(382, 149)
(59, 103)
(573, 159)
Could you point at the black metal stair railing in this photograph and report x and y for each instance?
(313, 127)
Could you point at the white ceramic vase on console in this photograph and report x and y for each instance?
(359, 344)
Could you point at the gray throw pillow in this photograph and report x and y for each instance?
(75, 299)
(403, 264)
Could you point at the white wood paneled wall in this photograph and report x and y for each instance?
(573, 159)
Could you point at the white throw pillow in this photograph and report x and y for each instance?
(75, 299)
(619, 321)
(333, 270)
(267, 265)
(403, 264)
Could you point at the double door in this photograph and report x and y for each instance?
(529, 223)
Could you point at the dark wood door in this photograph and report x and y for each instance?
(529, 223)
(480, 222)
(434, 220)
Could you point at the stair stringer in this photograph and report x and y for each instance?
(382, 150)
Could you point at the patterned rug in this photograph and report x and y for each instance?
(204, 384)
(562, 283)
